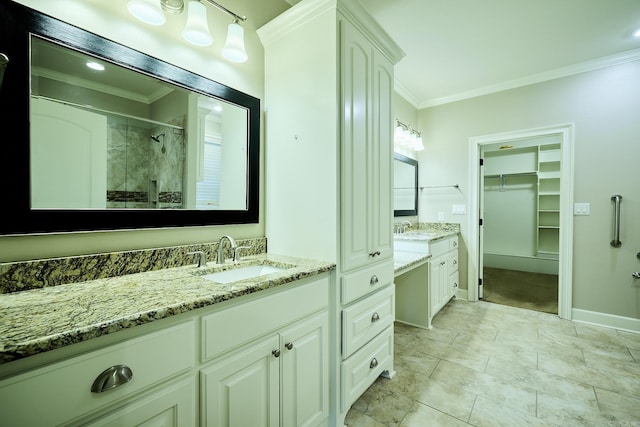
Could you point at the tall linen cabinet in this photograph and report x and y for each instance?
(329, 121)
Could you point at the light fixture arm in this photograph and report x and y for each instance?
(407, 127)
(224, 9)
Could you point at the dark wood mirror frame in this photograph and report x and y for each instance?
(17, 23)
(411, 162)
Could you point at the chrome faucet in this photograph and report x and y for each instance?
(202, 258)
(402, 226)
(220, 255)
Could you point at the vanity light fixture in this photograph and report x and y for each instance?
(147, 11)
(95, 66)
(407, 137)
(196, 30)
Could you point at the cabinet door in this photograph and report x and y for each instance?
(356, 65)
(305, 372)
(242, 389)
(172, 406)
(381, 152)
(438, 281)
(367, 94)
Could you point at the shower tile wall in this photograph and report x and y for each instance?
(139, 173)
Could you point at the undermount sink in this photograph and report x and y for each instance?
(242, 273)
(417, 246)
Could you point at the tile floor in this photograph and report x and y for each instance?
(485, 364)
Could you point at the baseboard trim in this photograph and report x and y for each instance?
(607, 320)
(462, 294)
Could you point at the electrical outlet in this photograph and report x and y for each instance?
(582, 208)
(440, 216)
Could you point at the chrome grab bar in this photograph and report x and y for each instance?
(616, 243)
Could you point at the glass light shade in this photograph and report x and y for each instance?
(147, 11)
(197, 29)
(233, 49)
(419, 145)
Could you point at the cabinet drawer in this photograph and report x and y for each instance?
(237, 325)
(439, 247)
(360, 370)
(453, 262)
(454, 283)
(453, 243)
(366, 319)
(62, 391)
(360, 283)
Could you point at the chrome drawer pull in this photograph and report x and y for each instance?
(375, 317)
(373, 363)
(455, 262)
(113, 377)
(374, 280)
(289, 345)
(276, 353)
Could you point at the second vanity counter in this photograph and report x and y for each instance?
(39, 320)
(409, 251)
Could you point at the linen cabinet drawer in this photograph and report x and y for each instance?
(362, 282)
(237, 325)
(62, 392)
(366, 319)
(360, 371)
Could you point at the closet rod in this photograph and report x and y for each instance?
(440, 186)
(497, 175)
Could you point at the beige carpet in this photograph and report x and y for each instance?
(533, 291)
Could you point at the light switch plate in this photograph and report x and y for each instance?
(458, 209)
(440, 216)
(582, 208)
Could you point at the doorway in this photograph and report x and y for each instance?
(547, 243)
(520, 208)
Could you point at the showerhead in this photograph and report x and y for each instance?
(156, 138)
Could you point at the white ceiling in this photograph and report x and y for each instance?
(456, 49)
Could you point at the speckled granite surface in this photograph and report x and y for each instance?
(431, 231)
(51, 317)
(24, 275)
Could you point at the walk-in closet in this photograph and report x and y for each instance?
(521, 223)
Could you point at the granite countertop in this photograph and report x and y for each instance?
(39, 320)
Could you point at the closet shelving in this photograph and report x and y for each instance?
(548, 200)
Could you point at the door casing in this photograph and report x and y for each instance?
(565, 274)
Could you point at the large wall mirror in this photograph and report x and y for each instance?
(105, 137)
(405, 186)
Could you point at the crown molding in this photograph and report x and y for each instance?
(581, 67)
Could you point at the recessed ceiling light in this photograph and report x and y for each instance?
(636, 33)
(95, 66)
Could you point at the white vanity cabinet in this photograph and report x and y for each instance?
(264, 369)
(443, 273)
(257, 360)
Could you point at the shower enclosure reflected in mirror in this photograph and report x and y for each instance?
(133, 142)
(405, 186)
(119, 136)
